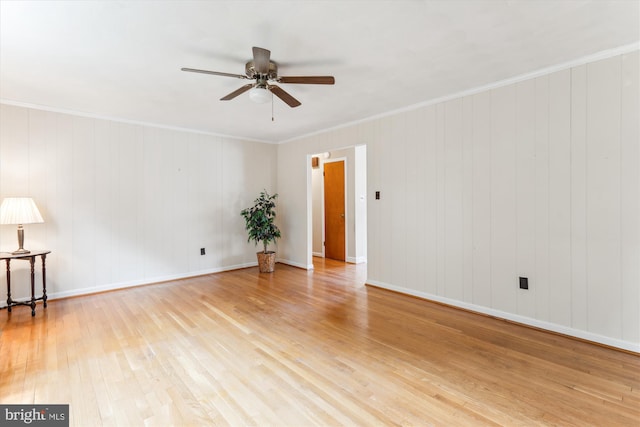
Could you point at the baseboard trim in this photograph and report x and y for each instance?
(296, 264)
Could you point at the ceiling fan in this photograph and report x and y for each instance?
(263, 71)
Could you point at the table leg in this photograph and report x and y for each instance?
(9, 302)
(32, 261)
(44, 281)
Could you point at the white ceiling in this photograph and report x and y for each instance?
(122, 59)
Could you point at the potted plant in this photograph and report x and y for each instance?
(260, 224)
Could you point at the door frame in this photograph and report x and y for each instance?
(361, 229)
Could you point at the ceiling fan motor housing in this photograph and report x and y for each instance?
(251, 72)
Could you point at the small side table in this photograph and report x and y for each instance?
(31, 257)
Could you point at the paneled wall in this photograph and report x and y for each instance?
(537, 178)
(126, 204)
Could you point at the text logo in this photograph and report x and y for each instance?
(34, 415)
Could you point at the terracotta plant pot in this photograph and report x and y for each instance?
(266, 261)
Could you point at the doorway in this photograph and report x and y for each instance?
(350, 166)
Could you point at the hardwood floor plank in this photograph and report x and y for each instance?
(303, 348)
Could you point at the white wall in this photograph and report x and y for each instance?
(126, 204)
(537, 178)
(360, 204)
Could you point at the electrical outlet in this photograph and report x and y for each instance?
(201, 251)
(524, 283)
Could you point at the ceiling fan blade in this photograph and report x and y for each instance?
(261, 59)
(237, 92)
(312, 80)
(215, 73)
(280, 93)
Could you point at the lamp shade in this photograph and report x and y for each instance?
(19, 210)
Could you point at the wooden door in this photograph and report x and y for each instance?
(334, 211)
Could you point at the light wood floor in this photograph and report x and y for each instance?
(298, 348)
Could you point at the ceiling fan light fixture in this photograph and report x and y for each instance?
(260, 95)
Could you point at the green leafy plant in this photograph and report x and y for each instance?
(260, 220)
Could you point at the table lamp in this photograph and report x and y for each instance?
(19, 210)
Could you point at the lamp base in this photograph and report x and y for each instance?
(20, 252)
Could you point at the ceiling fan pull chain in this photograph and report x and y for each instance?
(272, 108)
